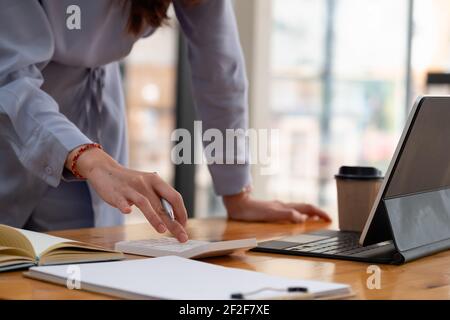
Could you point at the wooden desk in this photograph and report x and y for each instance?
(427, 278)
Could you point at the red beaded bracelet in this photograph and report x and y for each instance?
(80, 151)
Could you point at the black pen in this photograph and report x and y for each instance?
(303, 293)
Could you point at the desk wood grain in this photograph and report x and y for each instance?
(427, 278)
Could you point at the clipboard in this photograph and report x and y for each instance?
(173, 277)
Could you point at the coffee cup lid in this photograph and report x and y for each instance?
(359, 173)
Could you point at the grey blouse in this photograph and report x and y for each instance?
(61, 88)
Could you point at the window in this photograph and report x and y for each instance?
(149, 82)
(337, 90)
(342, 77)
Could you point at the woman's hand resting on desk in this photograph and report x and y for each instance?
(121, 188)
(244, 208)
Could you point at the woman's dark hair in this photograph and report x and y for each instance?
(151, 13)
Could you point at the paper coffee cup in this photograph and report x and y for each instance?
(357, 188)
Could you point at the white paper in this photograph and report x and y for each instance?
(41, 241)
(179, 278)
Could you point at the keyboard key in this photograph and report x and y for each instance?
(319, 250)
(331, 248)
(306, 250)
(331, 252)
(334, 239)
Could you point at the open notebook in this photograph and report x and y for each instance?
(173, 277)
(22, 248)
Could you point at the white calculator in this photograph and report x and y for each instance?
(167, 246)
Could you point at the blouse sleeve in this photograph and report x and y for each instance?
(30, 119)
(219, 80)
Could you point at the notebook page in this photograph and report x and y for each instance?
(10, 238)
(41, 241)
(173, 277)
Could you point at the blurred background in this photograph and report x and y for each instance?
(337, 77)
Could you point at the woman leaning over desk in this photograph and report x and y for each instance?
(63, 143)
